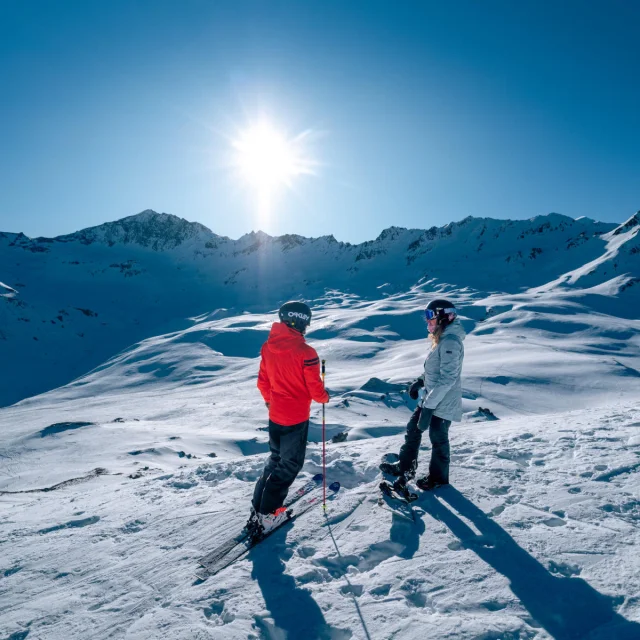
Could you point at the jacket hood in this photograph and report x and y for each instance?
(282, 338)
(455, 328)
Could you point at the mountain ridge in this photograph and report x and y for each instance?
(77, 299)
(172, 222)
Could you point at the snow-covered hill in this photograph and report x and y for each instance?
(112, 485)
(78, 299)
(115, 484)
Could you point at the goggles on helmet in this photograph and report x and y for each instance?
(430, 314)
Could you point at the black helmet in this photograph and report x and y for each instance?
(296, 315)
(439, 309)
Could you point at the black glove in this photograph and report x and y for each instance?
(425, 419)
(414, 389)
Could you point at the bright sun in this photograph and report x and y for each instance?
(268, 160)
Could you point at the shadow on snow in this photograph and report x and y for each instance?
(292, 608)
(567, 608)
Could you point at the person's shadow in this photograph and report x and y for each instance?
(292, 608)
(406, 534)
(567, 608)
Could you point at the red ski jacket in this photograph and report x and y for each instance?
(289, 376)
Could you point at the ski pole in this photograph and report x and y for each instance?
(324, 451)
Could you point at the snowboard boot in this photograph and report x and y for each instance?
(391, 468)
(394, 469)
(401, 488)
(429, 484)
(400, 485)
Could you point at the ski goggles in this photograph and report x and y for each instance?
(430, 314)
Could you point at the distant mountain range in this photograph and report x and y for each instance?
(68, 303)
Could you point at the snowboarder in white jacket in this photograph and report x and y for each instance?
(439, 394)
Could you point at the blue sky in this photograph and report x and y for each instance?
(424, 112)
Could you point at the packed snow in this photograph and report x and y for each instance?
(114, 484)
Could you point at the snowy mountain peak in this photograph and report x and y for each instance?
(158, 231)
(631, 223)
(554, 218)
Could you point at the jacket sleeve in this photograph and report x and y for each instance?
(263, 379)
(311, 370)
(451, 356)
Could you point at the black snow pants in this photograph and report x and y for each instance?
(288, 447)
(440, 451)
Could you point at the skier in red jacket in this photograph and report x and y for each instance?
(289, 380)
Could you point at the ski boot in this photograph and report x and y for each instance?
(429, 484)
(267, 522)
(252, 522)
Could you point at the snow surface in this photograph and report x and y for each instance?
(115, 483)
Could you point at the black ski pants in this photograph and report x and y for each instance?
(440, 450)
(288, 447)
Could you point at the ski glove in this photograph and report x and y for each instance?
(414, 389)
(425, 419)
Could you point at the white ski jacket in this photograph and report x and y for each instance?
(442, 370)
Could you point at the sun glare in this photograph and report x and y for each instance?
(264, 157)
(267, 160)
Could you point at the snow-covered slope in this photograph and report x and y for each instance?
(115, 484)
(83, 297)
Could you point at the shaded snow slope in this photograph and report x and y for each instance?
(83, 297)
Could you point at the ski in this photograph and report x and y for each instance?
(239, 538)
(246, 544)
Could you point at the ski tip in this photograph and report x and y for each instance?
(334, 486)
(318, 477)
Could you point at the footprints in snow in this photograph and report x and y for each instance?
(629, 511)
(217, 613)
(554, 522)
(606, 477)
(381, 591)
(133, 527)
